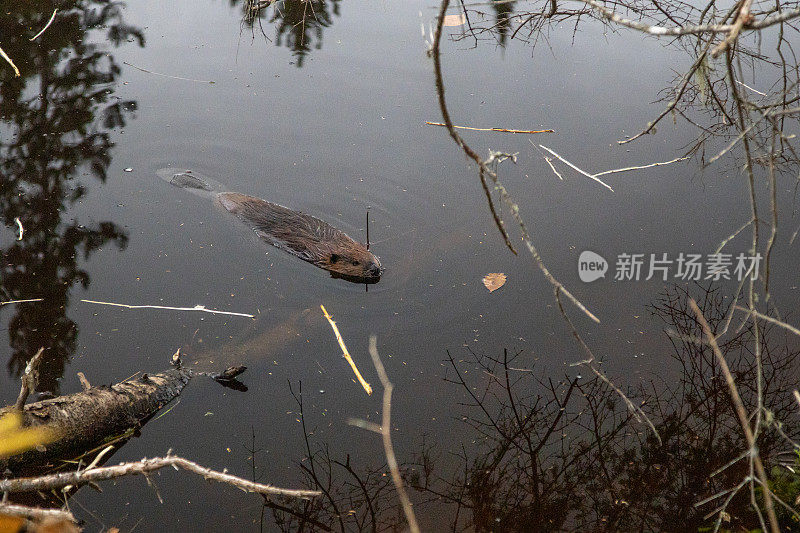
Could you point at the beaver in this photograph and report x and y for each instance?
(302, 235)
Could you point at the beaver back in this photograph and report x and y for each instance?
(305, 236)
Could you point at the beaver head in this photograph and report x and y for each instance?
(354, 263)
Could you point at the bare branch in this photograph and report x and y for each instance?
(145, 466)
(675, 31)
(570, 165)
(10, 62)
(345, 353)
(34, 513)
(29, 379)
(501, 130)
(200, 308)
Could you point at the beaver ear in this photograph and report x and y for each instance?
(334, 258)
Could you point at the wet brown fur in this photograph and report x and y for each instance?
(307, 237)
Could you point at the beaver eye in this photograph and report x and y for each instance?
(355, 263)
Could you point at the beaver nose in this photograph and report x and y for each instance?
(375, 270)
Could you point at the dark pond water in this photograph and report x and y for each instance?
(327, 115)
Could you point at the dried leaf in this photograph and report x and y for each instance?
(494, 281)
(454, 20)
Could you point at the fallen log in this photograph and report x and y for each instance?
(86, 420)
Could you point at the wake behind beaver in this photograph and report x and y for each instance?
(302, 235)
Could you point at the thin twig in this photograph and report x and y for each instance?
(550, 162)
(501, 130)
(753, 124)
(674, 102)
(732, 236)
(167, 75)
(18, 222)
(748, 87)
(345, 353)
(10, 62)
(497, 220)
(52, 17)
(200, 308)
(626, 169)
(591, 363)
(590, 176)
(61, 480)
(767, 318)
(9, 302)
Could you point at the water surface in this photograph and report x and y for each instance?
(328, 118)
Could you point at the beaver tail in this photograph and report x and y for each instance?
(187, 179)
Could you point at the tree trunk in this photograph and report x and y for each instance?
(85, 420)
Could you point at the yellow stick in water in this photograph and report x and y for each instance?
(345, 353)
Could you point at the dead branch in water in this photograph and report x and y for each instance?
(501, 130)
(29, 379)
(35, 513)
(198, 307)
(144, 467)
(345, 353)
(9, 302)
(10, 62)
(84, 420)
(596, 176)
(573, 167)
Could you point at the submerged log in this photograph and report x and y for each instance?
(86, 420)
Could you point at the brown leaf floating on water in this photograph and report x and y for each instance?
(494, 281)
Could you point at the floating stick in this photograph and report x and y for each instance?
(501, 130)
(345, 353)
(195, 308)
(52, 17)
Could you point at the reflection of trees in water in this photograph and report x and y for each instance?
(55, 122)
(481, 25)
(745, 128)
(299, 24)
(571, 457)
(714, 95)
(353, 499)
(502, 14)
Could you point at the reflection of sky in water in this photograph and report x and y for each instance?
(344, 132)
